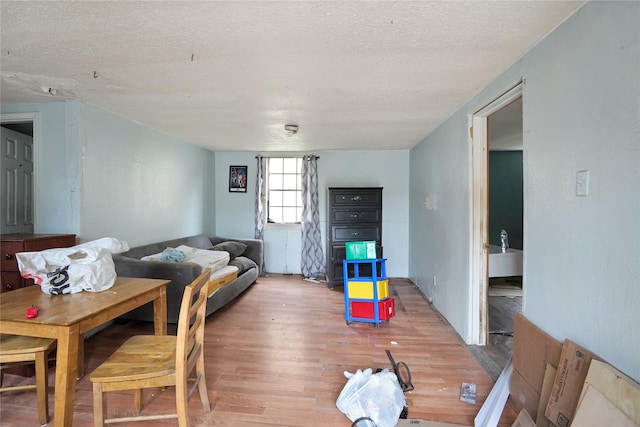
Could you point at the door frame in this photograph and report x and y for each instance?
(34, 118)
(478, 323)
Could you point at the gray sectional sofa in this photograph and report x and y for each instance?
(129, 264)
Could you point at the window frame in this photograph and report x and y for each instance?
(285, 186)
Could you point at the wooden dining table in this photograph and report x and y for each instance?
(67, 317)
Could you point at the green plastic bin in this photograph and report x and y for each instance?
(360, 250)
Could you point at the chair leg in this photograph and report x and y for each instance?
(80, 371)
(182, 410)
(42, 382)
(137, 400)
(202, 385)
(99, 405)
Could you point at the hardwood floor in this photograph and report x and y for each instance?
(505, 299)
(276, 356)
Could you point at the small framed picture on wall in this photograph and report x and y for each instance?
(237, 179)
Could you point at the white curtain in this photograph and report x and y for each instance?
(261, 197)
(313, 260)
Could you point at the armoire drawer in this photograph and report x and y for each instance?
(356, 197)
(350, 233)
(356, 215)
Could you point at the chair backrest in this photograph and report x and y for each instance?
(190, 335)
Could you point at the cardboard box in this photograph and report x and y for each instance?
(533, 348)
(360, 250)
(364, 290)
(523, 395)
(565, 393)
(547, 385)
(386, 309)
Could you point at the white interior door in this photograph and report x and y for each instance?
(17, 182)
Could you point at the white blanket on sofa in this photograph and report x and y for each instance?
(215, 260)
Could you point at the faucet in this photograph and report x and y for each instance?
(504, 240)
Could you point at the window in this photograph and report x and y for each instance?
(284, 190)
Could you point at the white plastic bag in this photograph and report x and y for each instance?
(377, 396)
(112, 244)
(87, 266)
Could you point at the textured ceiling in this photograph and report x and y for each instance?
(228, 76)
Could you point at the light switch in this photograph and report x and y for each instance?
(582, 183)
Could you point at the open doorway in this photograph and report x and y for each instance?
(485, 126)
(505, 228)
(18, 136)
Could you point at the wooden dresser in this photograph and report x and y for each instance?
(12, 243)
(354, 214)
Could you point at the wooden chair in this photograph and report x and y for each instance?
(147, 361)
(17, 349)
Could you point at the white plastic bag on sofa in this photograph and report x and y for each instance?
(88, 266)
(377, 396)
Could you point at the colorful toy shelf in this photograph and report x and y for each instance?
(366, 291)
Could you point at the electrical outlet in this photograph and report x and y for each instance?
(435, 282)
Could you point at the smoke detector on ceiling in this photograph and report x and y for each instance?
(291, 129)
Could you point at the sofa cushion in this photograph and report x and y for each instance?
(243, 263)
(235, 249)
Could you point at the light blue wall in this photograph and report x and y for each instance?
(234, 211)
(98, 174)
(439, 237)
(140, 185)
(582, 263)
(387, 169)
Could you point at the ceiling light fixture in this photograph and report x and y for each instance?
(291, 129)
(51, 90)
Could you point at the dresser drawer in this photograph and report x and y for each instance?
(14, 243)
(12, 280)
(349, 233)
(356, 215)
(356, 197)
(43, 242)
(9, 250)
